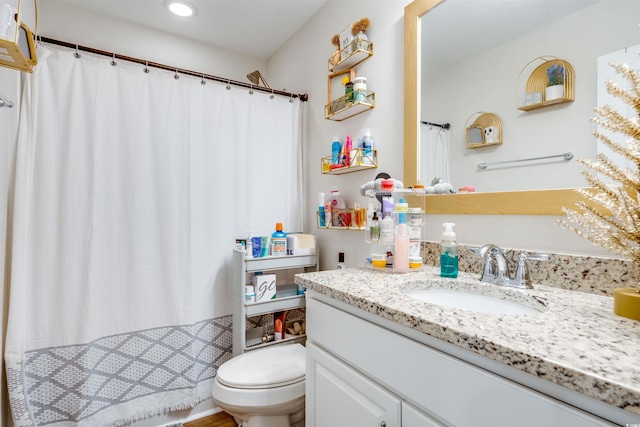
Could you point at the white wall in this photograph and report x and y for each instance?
(487, 82)
(301, 65)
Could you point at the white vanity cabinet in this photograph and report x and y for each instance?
(343, 397)
(431, 387)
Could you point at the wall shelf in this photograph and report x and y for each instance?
(537, 82)
(346, 220)
(360, 160)
(353, 54)
(350, 105)
(477, 131)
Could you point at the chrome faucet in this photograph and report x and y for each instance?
(496, 267)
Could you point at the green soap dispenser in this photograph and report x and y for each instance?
(448, 252)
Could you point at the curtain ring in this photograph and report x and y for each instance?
(272, 95)
(291, 99)
(176, 76)
(146, 67)
(251, 90)
(113, 60)
(77, 54)
(228, 84)
(203, 82)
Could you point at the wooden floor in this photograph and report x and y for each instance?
(221, 419)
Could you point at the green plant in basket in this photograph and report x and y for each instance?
(555, 73)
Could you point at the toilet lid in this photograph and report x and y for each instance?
(270, 367)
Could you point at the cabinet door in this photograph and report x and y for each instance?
(412, 417)
(338, 396)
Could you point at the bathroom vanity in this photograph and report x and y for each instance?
(378, 355)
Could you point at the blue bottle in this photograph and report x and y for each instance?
(278, 242)
(448, 252)
(336, 148)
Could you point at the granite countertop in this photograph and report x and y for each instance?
(577, 342)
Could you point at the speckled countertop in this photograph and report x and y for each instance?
(577, 341)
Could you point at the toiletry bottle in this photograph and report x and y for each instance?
(341, 264)
(448, 252)
(367, 147)
(414, 228)
(348, 145)
(387, 197)
(401, 208)
(386, 229)
(336, 147)
(248, 246)
(401, 253)
(279, 241)
(339, 219)
(321, 214)
(375, 229)
(367, 232)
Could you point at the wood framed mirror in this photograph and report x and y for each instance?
(529, 202)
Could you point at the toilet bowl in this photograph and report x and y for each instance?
(264, 388)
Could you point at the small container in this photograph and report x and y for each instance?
(359, 89)
(348, 91)
(249, 294)
(379, 260)
(415, 262)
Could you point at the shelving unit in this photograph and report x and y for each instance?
(483, 121)
(360, 160)
(349, 224)
(245, 339)
(536, 74)
(415, 199)
(350, 105)
(353, 54)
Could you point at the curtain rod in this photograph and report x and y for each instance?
(445, 126)
(303, 96)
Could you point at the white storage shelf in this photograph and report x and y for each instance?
(250, 339)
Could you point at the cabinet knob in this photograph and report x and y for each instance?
(383, 424)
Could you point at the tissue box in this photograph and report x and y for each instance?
(301, 244)
(265, 286)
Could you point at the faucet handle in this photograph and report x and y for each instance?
(522, 276)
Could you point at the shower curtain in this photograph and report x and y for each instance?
(131, 188)
(434, 155)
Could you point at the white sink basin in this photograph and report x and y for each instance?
(472, 302)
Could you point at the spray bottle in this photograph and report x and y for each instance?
(448, 252)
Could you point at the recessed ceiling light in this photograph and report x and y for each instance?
(180, 7)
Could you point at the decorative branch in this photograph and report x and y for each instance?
(612, 218)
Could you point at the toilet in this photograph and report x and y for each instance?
(264, 388)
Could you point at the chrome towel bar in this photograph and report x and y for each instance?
(566, 156)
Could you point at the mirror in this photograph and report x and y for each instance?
(536, 201)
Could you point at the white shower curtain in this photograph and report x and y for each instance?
(130, 191)
(434, 155)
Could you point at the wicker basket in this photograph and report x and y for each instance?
(481, 122)
(538, 80)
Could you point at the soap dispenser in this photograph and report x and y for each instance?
(448, 252)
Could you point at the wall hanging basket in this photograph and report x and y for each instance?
(485, 130)
(535, 93)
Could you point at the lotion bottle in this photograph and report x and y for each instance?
(448, 252)
(336, 148)
(386, 229)
(401, 253)
(279, 241)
